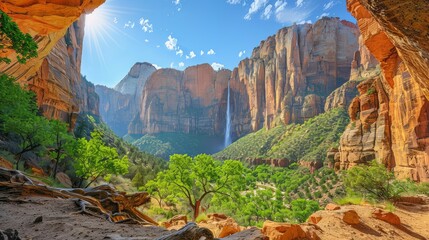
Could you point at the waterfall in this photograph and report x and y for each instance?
(228, 120)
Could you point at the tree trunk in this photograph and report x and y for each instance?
(54, 174)
(197, 209)
(18, 160)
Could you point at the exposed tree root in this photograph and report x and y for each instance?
(102, 201)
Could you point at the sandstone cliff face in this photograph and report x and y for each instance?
(390, 117)
(289, 76)
(186, 102)
(119, 106)
(55, 74)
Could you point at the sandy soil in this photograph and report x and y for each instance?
(59, 222)
(414, 224)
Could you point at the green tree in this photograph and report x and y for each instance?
(302, 209)
(196, 178)
(33, 133)
(94, 159)
(373, 181)
(63, 143)
(11, 38)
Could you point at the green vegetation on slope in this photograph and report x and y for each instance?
(308, 141)
(166, 144)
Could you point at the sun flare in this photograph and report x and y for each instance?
(100, 25)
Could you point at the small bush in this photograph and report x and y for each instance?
(201, 217)
(372, 181)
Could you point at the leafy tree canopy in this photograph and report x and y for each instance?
(11, 38)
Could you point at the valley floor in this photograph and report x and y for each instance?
(59, 222)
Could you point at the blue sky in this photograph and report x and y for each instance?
(182, 33)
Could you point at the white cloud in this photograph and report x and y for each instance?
(158, 46)
(267, 12)
(299, 3)
(328, 5)
(201, 52)
(291, 15)
(211, 52)
(254, 7)
(129, 24)
(177, 2)
(171, 44)
(178, 9)
(192, 54)
(179, 52)
(187, 57)
(233, 1)
(156, 66)
(280, 6)
(146, 40)
(172, 65)
(323, 15)
(217, 66)
(181, 64)
(305, 21)
(241, 53)
(115, 20)
(146, 26)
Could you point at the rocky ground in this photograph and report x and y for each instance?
(37, 217)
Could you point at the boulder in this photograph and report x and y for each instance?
(282, 231)
(332, 207)
(350, 217)
(388, 217)
(314, 218)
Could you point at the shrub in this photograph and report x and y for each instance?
(373, 181)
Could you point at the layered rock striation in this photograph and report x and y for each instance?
(192, 101)
(390, 117)
(289, 75)
(286, 80)
(55, 74)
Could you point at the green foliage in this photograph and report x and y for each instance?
(11, 38)
(349, 200)
(302, 209)
(201, 217)
(166, 144)
(142, 166)
(372, 181)
(308, 141)
(195, 179)
(94, 159)
(63, 144)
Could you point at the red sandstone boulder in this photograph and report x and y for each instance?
(387, 217)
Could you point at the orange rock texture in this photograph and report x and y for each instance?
(192, 101)
(390, 117)
(286, 80)
(290, 74)
(57, 27)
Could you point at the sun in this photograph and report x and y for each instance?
(100, 29)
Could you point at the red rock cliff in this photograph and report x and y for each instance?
(390, 117)
(187, 102)
(55, 74)
(289, 75)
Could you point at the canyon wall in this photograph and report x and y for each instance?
(390, 117)
(289, 75)
(191, 101)
(119, 106)
(54, 75)
(286, 80)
